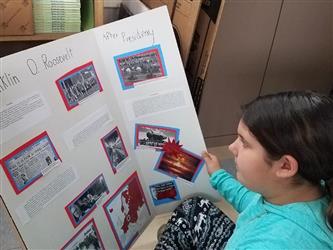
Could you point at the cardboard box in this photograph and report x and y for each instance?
(130, 8)
(198, 43)
(16, 17)
(158, 3)
(202, 46)
(184, 15)
(215, 14)
(184, 21)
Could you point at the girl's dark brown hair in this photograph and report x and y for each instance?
(299, 124)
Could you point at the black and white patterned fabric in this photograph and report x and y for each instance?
(196, 224)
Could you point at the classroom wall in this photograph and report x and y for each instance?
(264, 47)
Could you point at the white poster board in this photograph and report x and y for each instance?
(98, 135)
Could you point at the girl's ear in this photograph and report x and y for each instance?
(287, 166)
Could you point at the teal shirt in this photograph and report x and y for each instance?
(262, 225)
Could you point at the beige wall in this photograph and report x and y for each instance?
(264, 47)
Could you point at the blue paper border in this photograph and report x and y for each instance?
(157, 126)
(165, 200)
(158, 47)
(175, 176)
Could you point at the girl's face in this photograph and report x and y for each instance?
(254, 170)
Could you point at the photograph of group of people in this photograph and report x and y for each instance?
(78, 84)
(86, 238)
(140, 65)
(86, 201)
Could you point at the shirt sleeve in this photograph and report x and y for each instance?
(277, 233)
(231, 189)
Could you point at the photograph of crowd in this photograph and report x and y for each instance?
(86, 201)
(182, 164)
(26, 164)
(114, 148)
(78, 84)
(150, 136)
(87, 238)
(140, 65)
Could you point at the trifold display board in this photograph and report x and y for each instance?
(98, 135)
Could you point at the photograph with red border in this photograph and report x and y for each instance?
(114, 149)
(127, 211)
(153, 136)
(29, 162)
(86, 202)
(87, 237)
(78, 84)
(140, 65)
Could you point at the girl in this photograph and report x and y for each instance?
(284, 163)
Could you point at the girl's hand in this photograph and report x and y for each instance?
(211, 161)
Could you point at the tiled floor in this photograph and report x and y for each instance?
(8, 234)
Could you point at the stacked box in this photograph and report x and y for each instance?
(157, 3)
(184, 15)
(184, 21)
(16, 17)
(202, 46)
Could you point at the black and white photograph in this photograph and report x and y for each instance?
(78, 84)
(154, 137)
(87, 238)
(79, 208)
(114, 148)
(30, 161)
(140, 65)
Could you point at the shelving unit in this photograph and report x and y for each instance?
(98, 19)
